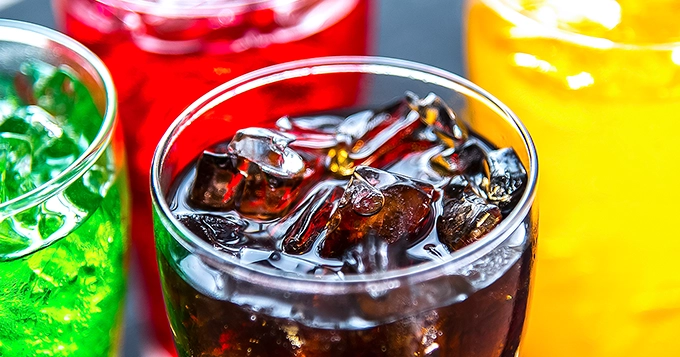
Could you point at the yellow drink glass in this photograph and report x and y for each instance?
(597, 83)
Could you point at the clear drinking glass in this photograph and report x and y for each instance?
(473, 303)
(163, 55)
(64, 212)
(597, 84)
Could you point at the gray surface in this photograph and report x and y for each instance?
(426, 31)
(36, 11)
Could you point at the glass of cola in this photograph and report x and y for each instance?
(400, 224)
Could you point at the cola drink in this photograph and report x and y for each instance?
(337, 209)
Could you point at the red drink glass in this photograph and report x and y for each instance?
(163, 55)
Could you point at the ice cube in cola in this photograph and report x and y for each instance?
(377, 219)
(336, 198)
(258, 176)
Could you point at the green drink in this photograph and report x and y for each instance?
(63, 198)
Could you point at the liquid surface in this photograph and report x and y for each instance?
(301, 198)
(604, 122)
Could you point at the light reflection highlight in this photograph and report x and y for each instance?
(530, 61)
(581, 80)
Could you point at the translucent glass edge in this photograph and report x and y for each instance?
(184, 11)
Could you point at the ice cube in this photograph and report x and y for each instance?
(225, 233)
(442, 120)
(466, 219)
(372, 138)
(307, 223)
(217, 181)
(273, 172)
(402, 222)
(321, 124)
(56, 128)
(506, 177)
(32, 77)
(59, 92)
(259, 176)
(455, 186)
(478, 181)
(316, 133)
(406, 210)
(378, 207)
(361, 196)
(459, 160)
(16, 161)
(417, 165)
(13, 93)
(55, 144)
(355, 126)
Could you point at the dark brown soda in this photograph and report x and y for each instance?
(487, 324)
(486, 320)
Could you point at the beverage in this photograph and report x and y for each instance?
(164, 55)
(589, 80)
(283, 241)
(63, 199)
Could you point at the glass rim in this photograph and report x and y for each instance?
(30, 34)
(324, 65)
(517, 18)
(189, 10)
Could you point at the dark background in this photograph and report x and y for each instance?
(426, 31)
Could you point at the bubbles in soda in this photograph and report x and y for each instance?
(319, 193)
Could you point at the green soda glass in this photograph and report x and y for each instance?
(63, 198)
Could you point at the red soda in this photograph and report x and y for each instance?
(164, 55)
